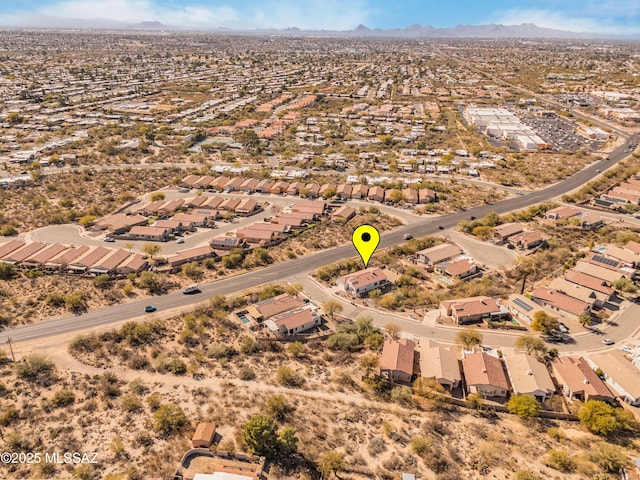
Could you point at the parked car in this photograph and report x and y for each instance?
(150, 308)
(109, 239)
(407, 236)
(626, 349)
(563, 328)
(180, 240)
(608, 341)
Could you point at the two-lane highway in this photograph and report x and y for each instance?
(282, 271)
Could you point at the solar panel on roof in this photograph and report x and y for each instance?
(605, 260)
(521, 303)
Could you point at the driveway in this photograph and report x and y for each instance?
(484, 253)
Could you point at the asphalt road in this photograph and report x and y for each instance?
(280, 272)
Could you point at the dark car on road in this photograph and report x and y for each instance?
(150, 308)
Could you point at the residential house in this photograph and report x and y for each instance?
(234, 184)
(587, 295)
(250, 185)
(363, 281)
(560, 213)
(426, 195)
(441, 364)
(597, 271)
(227, 243)
(257, 235)
(11, 246)
(273, 306)
(247, 207)
(527, 240)
(294, 321)
(313, 190)
(203, 182)
(410, 195)
(109, 263)
(438, 254)
(344, 191)
(560, 302)
(458, 269)
(121, 226)
(295, 188)
(528, 376)
(359, 191)
(591, 221)
(152, 234)
(86, 261)
(327, 188)
(204, 435)
(376, 194)
(397, 360)
(42, 256)
(472, 310)
(189, 181)
(577, 380)
(134, 264)
(229, 204)
(391, 194)
(596, 284)
(619, 374)
(626, 257)
(524, 309)
(22, 253)
(264, 186)
(506, 230)
(484, 374)
(196, 254)
(211, 202)
(174, 225)
(344, 213)
(62, 260)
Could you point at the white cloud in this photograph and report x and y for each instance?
(305, 14)
(563, 21)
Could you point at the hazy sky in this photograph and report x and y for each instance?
(605, 16)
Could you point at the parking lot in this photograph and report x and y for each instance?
(559, 133)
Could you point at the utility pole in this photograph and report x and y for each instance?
(11, 348)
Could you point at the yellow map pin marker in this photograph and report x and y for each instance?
(366, 239)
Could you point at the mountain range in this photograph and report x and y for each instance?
(525, 30)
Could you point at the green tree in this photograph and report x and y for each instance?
(544, 323)
(600, 418)
(331, 308)
(625, 285)
(525, 406)
(75, 301)
(169, 419)
(531, 344)
(249, 139)
(526, 475)
(369, 362)
(260, 435)
(287, 441)
(151, 250)
(87, 220)
(192, 270)
(101, 281)
(8, 231)
(287, 376)
(330, 463)
(469, 338)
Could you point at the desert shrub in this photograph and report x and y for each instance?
(8, 415)
(85, 344)
(287, 377)
(557, 434)
(62, 398)
(421, 445)
(609, 457)
(221, 350)
(560, 460)
(246, 373)
(35, 368)
(169, 419)
(131, 403)
(278, 407)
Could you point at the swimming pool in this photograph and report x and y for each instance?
(243, 318)
(444, 280)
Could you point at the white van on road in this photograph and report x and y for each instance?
(191, 289)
